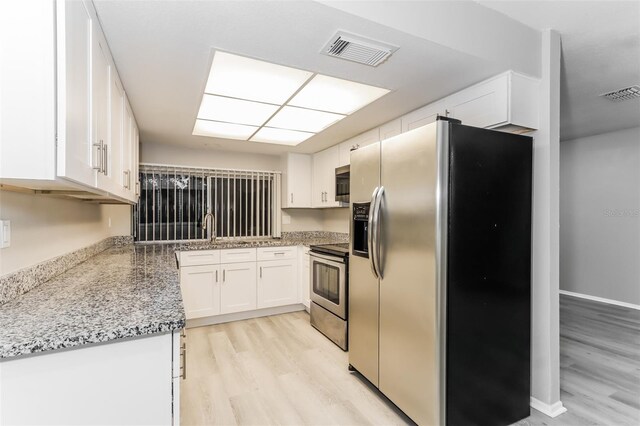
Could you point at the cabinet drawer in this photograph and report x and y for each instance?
(199, 257)
(276, 253)
(238, 255)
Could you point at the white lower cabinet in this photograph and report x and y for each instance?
(216, 283)
(305, 277)
(277, 283)
(238, 289)
(123, 382)
(200, 290)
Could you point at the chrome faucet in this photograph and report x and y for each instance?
(208, 216)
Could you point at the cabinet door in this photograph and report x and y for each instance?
(238, 289)
(390, 129)
(200, 290)
(277, 284)
(100, 69)
(135, 154)
(317, 184)
(331, 162)
(305, 281)
(482, 105)
(75, 141)
(422, 116)
(363, 139)
(119, 153)
(297, 181)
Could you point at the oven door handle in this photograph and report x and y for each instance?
(329, 259)
(370, 225)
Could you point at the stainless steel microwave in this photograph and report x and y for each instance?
(342, 183)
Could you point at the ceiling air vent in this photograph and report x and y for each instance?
(358, 49)
(623, 94)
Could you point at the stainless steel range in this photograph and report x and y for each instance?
(329, 289)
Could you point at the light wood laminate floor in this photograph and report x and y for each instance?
(280, 370)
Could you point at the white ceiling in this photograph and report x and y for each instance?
(600, 53)
(163, 52)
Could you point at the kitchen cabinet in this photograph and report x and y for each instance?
(323, 192)
(62, 130)
(296, 181)
(277, 283)
(126, 381)
(422, 116)
(200, 287)
(305, 278)
(216, 284)
(507, 101)
(363, 139)
(238, 289)
(390, 129)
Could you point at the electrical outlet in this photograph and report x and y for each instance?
(5, 233)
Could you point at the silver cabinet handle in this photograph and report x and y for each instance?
(376, 232)
(278, 253)
(216, 275)
(224, 275)
(370, 231)
(292, 198)
(184, 361)
(98, 162)
(105, 159)
(261, 272)
(125, 179)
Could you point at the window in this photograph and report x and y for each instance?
(174, 201)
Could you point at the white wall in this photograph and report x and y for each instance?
(184, 156)
(302, 220)
(600, 215)
(43, 227)
(336, 220)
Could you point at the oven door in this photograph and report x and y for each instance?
(328, 282)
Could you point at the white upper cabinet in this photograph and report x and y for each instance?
(296, 181)
(323, 191)
(363, 139)
(422, 116)
(508, 101)
(64, 111)
(391, 129)
(75, 133)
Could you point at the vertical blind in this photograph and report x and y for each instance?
(174, 201)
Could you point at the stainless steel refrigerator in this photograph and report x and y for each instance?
(439, 293)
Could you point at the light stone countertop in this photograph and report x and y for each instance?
(122, 292)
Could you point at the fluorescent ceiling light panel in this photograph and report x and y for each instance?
(216, 129)
(307, 120)
(246, 78)
(237, 111)
(280, 136)
(336, 95)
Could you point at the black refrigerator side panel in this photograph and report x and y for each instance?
(488, 291)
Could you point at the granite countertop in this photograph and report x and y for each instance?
(126, 291)
(122, 292)
(298, 239)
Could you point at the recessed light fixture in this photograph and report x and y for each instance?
(254, 100)
(307, 120)
(219, 108)
(246, 78)
(280, 136)
(336, 95)
(216, 129)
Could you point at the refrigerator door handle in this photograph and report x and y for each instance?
(370, 226)
(376, 232)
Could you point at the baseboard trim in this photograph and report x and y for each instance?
(551, 410)
(600, 299)
(239, 316)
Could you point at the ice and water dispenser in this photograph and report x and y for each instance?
(360, 229)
